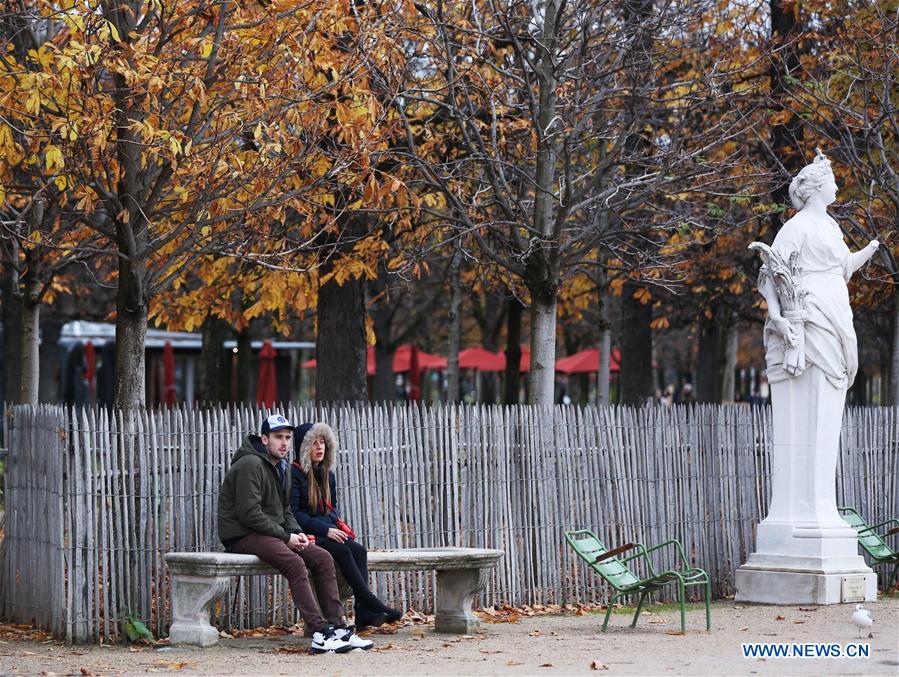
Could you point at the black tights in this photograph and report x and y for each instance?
(351, 558)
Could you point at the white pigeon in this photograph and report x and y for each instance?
(862, 620)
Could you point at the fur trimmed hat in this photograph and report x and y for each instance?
(302, 444)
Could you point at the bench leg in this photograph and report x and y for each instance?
(192, 600)
(456, 589)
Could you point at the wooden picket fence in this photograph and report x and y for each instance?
(95, 499)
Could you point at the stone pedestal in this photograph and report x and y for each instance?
(804, 549)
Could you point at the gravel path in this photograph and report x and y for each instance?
(541, 645)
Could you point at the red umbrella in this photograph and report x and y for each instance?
(90, 368)
(414, 375)
(168, 374)
(266, 385)
(400, 361)
(587, 361)
(481, 359)
(525, 365)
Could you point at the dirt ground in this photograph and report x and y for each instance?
(541, 645)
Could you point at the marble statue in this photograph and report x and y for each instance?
(804, 551)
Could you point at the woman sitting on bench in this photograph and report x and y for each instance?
(313, 500)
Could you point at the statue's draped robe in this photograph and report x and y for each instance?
(830, 343)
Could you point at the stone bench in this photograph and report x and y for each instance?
(199, 579)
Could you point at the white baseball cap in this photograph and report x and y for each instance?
(275, 422)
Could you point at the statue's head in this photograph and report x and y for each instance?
(810, 180)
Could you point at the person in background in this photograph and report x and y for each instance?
(313, 499)
(254, 518)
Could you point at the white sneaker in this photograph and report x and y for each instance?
(330, 640)
(354, 640)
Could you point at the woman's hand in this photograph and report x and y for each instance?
(337, 535)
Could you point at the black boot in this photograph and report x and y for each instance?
(392, 614)
(366, 618)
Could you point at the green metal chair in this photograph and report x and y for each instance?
(874, 543)
(613, 569)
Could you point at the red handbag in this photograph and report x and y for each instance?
(343, 526)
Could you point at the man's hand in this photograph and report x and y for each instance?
(337, 535)
(297, 542)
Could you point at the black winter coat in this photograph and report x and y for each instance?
(318, 521)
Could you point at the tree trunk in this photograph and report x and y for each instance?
(30, 355)
(786, 137)
(212, 360)
(894, 367)
(384, 382)
(52, 321)
(605, 350)
(340, 347)
(542, 377)
(729, 362)
(244, 367)
(635, 378)
(12, 335)
(133, 298)
(513, 352)
(542, 264)
(454, 339)
(130, 338)
(708, 374)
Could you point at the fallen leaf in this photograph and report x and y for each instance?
(490, 651)
(534, 633)
(546, 665)
(672, 631)
(174, 665)
(290, 648)
(596, 665)
(513, 663)
(780, 618)
(798, 622)
(814, 608)
(86, 672)
(744, 629)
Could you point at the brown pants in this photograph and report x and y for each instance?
(298, 567)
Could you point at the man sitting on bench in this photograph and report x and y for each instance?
(254, 518)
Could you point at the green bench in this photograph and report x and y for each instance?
(874, 543)
(614, 571)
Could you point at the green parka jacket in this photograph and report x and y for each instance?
(253, 498)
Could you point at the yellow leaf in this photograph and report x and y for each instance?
(113, 31)
(206, 50)
(205, 231)
(53, 159)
